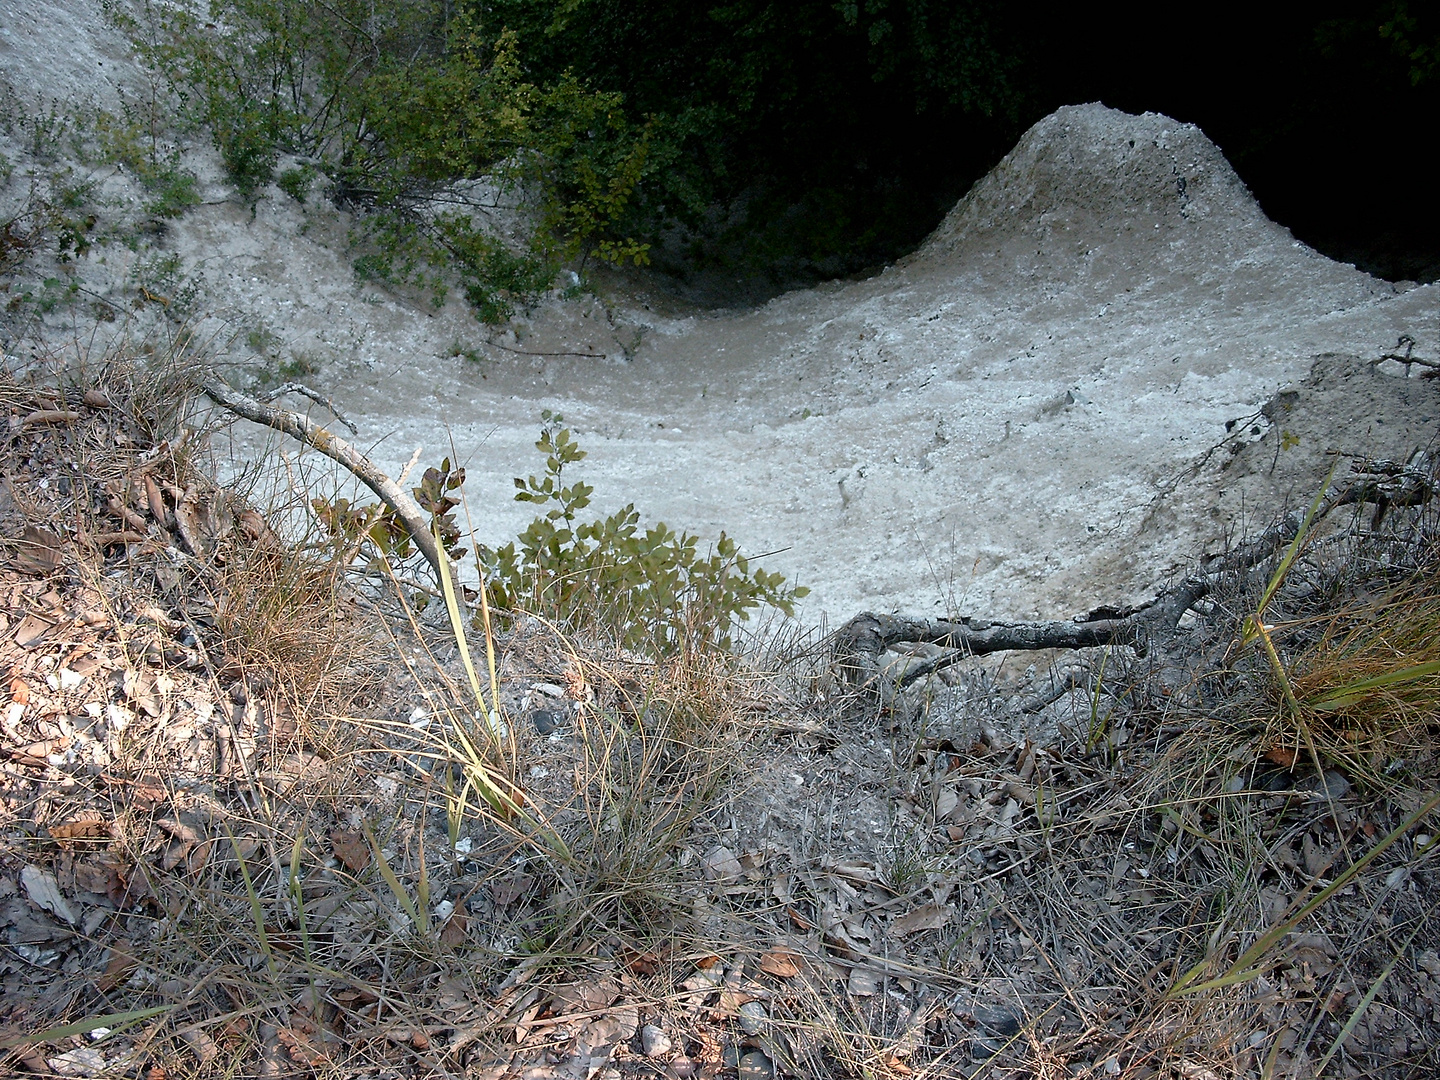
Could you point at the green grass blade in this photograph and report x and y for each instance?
(1293, 551)
(1365, 1003)
(1248, 965)
(297, 892)
(457, 627)
(257, 910)
(113, 1021)
(1353, 693)
(388, 874)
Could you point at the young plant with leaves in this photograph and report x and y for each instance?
(652, 587)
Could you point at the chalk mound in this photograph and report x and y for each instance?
(1092, 193)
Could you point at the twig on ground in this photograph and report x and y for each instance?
(527, 352)
(1407, 343)
(859, 645)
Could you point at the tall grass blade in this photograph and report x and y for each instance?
(257, 910)
(401, 896)
(457, 627)
(114, 1021)
(1293, 551)
(1248, 965)
(1365, 1002)
(1358, 691)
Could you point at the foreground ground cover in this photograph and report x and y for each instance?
(243, 832)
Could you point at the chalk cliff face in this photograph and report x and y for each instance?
(1102, 200)
(1021, 417)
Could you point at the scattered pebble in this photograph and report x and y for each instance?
(546, 720)
(753, 1017)
(754, 1065)
(654, 1042)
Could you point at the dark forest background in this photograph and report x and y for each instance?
(741, 147)
(809, 138)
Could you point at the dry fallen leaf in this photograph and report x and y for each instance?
(782, 962)
(351, 849)
(924, 917)
(506, 891)
(41, 551)
(31, 631)
(68, 833)
(19, 691)
(1282, 756)
(44, 892)
(863, 982)
(303, 1050)
(453, 933)
(117, 968)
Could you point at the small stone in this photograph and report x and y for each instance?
(681, 1067)
(84, 1061)
(654, 1042)
(997, 1021)
(547, 720)
(1332, 785)
(1336, 785)
(754, 1065)
(753, 1017)
(982, 1049)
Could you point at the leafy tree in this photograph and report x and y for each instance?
(800, 137)
(416, 117)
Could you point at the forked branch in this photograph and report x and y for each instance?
(314, 435)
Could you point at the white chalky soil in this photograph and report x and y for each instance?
(993, 425)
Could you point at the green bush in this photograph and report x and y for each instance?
(399, 105)
(652, 588)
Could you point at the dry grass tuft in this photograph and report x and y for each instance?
(1370, 684)
(256, 784)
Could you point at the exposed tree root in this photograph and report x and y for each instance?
(859, 646)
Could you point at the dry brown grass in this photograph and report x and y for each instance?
(277, 868)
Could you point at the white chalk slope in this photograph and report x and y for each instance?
(996, 424)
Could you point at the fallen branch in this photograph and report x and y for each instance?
(313, 395)
(527, 352)
(314, 435)
(859, 646)
(1407, 343)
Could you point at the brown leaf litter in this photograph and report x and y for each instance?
(757, 882)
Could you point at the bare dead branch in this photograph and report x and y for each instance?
(314, 435)
(1407, 343)
(859, 646)
(313, 395)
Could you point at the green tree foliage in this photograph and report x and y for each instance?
(795, 137)
(651, 587)
(414, 116)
